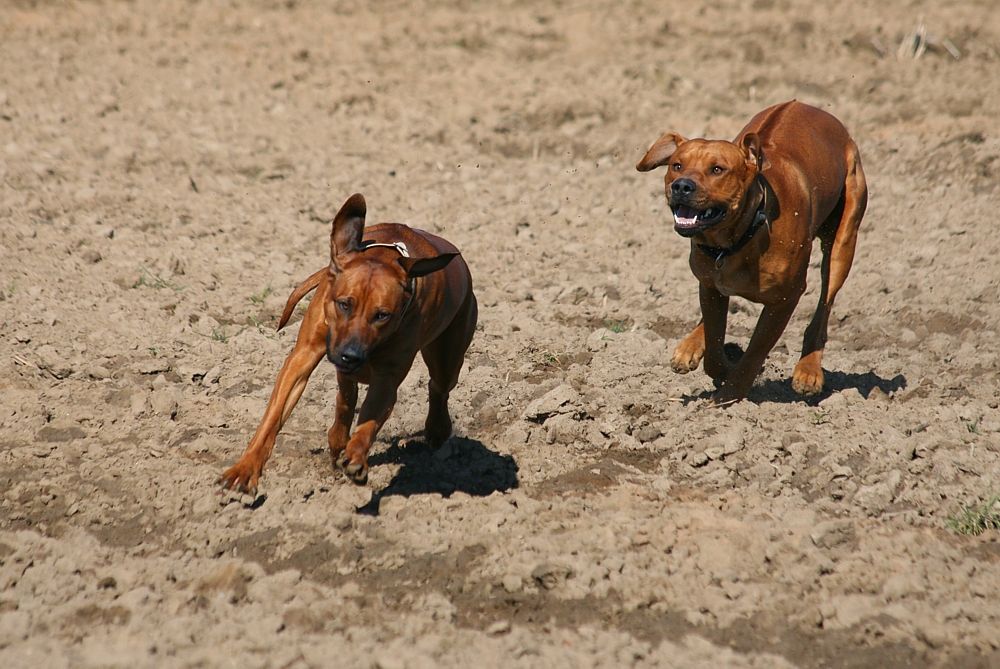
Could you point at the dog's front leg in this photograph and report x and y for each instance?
(714, 314)
(347, 400)
(770, 325)
(300, 363)
(375, 410)
(689, 352)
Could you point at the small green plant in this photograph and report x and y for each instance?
(551, 359)
(262, 328)
(616, 326)
(153, 280)
(154, 351)
(219, 333)
(820, 417)
(975, 519)
(548, 359)
(258, 298)
(972, 426)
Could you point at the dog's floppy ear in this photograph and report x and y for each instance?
(660, 152)
(755, 156)
(416, 267)
(348, 227)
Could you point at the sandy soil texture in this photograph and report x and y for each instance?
(167, 175)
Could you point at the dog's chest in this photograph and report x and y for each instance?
(735, 278)
(732, 281)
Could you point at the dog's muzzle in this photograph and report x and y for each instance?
(347, 358)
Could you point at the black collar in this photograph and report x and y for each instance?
(411, 289)
(719, 254)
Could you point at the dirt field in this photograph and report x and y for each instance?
(167, 175)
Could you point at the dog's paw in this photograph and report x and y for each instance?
(807, 382)
(724, 397)
(241, 477)
(355, 471)
(686, 360)
(689, 352)
(731, 390)
(436, 434)
(807, 379)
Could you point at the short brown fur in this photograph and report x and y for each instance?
(798, 165)
(372, 312)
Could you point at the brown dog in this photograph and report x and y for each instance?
(379, 302)
(752, 208)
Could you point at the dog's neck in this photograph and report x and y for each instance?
(758, 220)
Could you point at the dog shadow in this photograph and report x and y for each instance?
(460, 464)
(781, 391)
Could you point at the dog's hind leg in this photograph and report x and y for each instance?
(444, 357)
(838, 239)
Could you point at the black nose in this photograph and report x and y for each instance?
(350, 356)
(683, 187)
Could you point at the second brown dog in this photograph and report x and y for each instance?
(752, 208)
(380, 301)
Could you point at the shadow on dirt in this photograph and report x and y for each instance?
(781, 390)
(460, 464)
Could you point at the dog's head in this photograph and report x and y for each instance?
(706, 180)
(369, 295)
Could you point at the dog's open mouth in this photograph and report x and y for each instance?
(688, 220)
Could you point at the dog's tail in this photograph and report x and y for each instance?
(300, 291)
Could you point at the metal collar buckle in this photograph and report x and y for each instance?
(399, 246)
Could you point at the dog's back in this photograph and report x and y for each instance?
(797, 138)
(421, 243)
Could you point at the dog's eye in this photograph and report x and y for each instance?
(344, 306)
(382, 316)
(718, 169)
(677, 167)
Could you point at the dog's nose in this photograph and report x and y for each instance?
(350, 356)
(683, 187)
